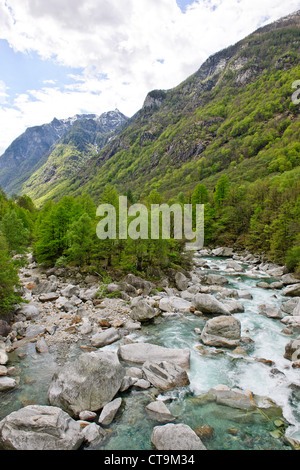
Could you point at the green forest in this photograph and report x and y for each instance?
(262, 216)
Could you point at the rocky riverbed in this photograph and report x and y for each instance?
(203, 359)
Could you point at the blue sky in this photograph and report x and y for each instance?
(35, 73)
(62, 57)
(184, 3)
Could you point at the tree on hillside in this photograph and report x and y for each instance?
(16, 234)
(200, 195)
(221, 190)
(81, 238)
(8, 280)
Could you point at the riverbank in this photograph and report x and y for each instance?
(218, 317)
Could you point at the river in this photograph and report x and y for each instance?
(233, 429)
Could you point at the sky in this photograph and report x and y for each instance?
(63, 57)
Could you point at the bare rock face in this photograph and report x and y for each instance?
(154, 99)
(224, 331)
(176, 437)
(87, 383)
(40, 428)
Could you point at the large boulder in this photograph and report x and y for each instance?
(235, 266)
(41, 346)
(86, 326)
(207, 303)
(292, 290)
(112, 288)
(174, 304)
(159, 412)
(7, 383)
(270, 311)
(87, 383)
(181, 281)
(70, 290)
(142, 311)
(165, 375)
(139, 284)
(105, 337)
(5, 328)
(40, 428)
(3, 355)
(241, 399)
(44, 287)
(34, 330)
(234, 306)
(227, 293)
(94, 434)
(292, 321)
(50, 297)
(292, 350)
(30, 311)
(88, 294)
(289, 305)
(244, 294)
(139, 353)
(109, 412)
(222, 252)
(296, 311)
(289, 279)
(176, 437)
(216, 280)
(186, 295)
(224, 331)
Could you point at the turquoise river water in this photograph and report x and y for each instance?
(233, 429)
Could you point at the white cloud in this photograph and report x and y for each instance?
(137, 45)
(49, 82)
(3, 92)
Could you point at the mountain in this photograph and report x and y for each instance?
(36, 150)
(233, 117)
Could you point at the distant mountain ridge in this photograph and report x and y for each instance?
(31, 150)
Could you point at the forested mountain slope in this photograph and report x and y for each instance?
(234, 116)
